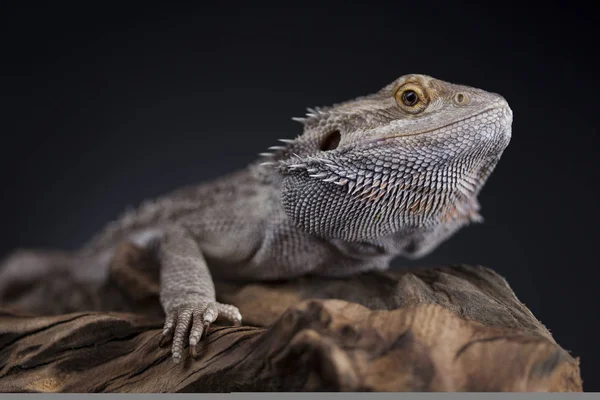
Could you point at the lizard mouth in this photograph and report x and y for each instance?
(437, 128)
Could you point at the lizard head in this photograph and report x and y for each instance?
(416, 153)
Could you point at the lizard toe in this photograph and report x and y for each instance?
(168, 329)
(229, 312)
(184, 319)
(209, 316)
(196, 333)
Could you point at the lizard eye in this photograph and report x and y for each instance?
(411, 98)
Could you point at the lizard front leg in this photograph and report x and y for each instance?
(187, 292)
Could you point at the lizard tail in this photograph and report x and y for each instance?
(43, 282)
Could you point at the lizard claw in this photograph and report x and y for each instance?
(192, 321)
(193, 352)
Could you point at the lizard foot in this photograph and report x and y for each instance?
(192, 321)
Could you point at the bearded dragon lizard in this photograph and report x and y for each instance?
(394, 173)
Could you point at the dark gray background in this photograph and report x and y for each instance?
(103, 107)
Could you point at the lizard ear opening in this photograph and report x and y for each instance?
(331, 141)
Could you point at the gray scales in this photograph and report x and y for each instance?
(394, 173)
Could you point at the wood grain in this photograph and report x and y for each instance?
(458, 328)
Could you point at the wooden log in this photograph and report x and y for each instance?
(458, 328)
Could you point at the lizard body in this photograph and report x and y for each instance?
(390, 174)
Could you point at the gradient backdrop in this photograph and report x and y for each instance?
(103, 107)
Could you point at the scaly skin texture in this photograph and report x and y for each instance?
(391, 174)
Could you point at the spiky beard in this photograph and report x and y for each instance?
(334, 198)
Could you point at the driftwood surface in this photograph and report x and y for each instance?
(457, 328)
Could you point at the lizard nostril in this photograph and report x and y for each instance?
(461, 99)
(331, 141)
